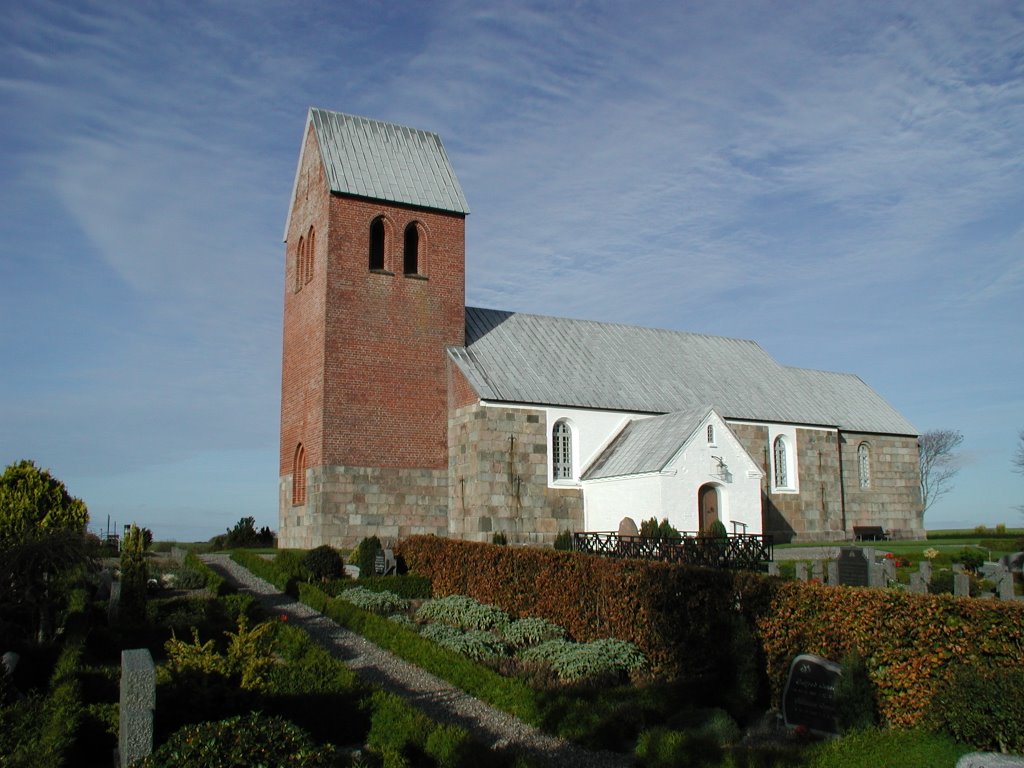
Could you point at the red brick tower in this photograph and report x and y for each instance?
(374, 294)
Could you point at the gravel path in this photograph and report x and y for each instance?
(437, 698)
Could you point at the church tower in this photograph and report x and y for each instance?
(374, 295)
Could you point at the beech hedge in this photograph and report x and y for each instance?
(687, 620)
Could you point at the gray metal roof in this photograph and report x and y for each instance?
(384, 161)
(646, 445)
(522, 358)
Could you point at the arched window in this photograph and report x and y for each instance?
(299, 477)
(864, 465)
(781, 463)
(300, 260)
(561, 451)
(411, 252)
(711, 434)
(310, 253)
(377, 243)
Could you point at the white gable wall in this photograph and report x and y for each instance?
(673, 492)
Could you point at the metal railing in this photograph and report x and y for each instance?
(740, 551)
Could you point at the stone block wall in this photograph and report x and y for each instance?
(499, 478)
(347, 504)
(830, 500)
(893, 496)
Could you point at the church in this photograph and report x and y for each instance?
(403, 411)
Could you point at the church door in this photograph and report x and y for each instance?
(707, 505)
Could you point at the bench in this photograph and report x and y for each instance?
(869, 533)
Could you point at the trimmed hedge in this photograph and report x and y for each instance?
(679, 616)
(685, 619)
(910, 643)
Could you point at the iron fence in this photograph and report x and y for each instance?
(740, 551)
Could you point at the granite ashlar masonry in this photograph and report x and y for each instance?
(499, 477)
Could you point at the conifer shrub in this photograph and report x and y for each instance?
(463, 612)
(563, 541)
(474, 643)
(250, 741)
(365, 556)
(381, 603)
(531, 630)
(982, 706)
(324, 564)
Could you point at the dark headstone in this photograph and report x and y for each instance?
(853, 567)
(1014, 562)
(809, 699)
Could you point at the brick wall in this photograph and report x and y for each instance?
(364, 366)
(500, 484)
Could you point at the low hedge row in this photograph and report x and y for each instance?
(509, 695)
(216, 583)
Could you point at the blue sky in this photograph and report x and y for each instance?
(842, 182)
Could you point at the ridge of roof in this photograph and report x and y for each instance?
(541, 359)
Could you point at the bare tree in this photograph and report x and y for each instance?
(939, 463)
(1018, 456)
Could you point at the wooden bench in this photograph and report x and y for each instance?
(869, 533)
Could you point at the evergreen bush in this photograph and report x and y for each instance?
(323, 564)
(381, 603)
(982, 706)
(251, 741)
(563, 541)
(365, 556)
(531, 631)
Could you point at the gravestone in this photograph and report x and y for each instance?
(990, 760)
(809, 698)
(925, 569)
(138, 700)
(961, 584)
(801, 571)
(1014, 562)
(384, 563)
(833, 572)
(818, 570)
(876, 575)
(889, 570)
(1004, 584)
(773, 568)
(114, 604)
(627, 527)
(853, 567)
(918, 585)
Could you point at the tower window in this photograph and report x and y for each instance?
(377, 243)
(300, 260)
(310, 253)
(299, 477)
(411, 256)
(561, 451)
(864, 465)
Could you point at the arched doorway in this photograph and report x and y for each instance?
(708, 506)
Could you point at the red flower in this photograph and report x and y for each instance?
(283, 617)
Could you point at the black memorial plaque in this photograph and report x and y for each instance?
(853, 567)
(809, 699)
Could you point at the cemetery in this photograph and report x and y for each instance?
(821, 657)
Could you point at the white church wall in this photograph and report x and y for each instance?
(607, 501)
(697, 464)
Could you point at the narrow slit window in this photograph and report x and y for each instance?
(411, 257)
(377, 243)
(781, 470)
(864, 465)
(299, 477)
(561, 452)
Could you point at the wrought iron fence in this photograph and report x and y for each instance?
(741, 551)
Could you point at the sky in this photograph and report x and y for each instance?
(842, 182)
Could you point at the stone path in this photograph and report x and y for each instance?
(437, 698)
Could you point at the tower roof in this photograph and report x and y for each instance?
(383, 161)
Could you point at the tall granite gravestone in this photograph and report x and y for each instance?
(138, 700)
(853, 567)
(818, 571)
(833, 572)
(801, 571)
(918, 584)
(925, 569)
(809, 698)
(961, 585)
